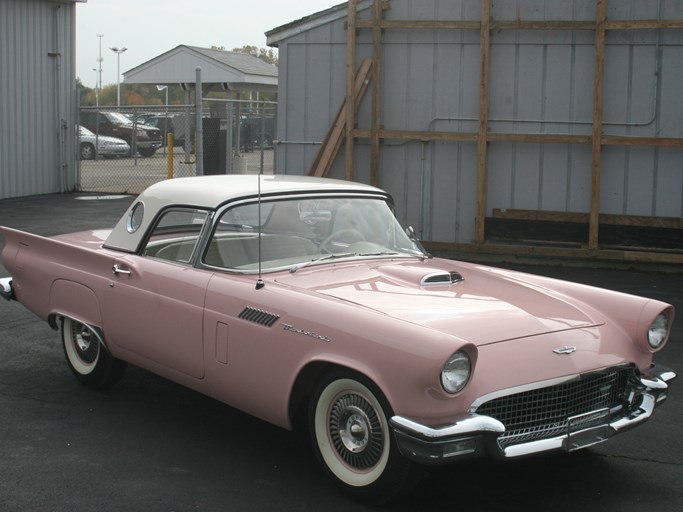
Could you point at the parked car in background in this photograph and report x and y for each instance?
(141, 138)
(165, 124)
(91, 145)
(303, 302)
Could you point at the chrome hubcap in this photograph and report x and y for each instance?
(84, 343)
(356, 431)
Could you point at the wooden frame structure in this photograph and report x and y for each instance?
(376, 133)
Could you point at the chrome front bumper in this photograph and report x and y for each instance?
(6, 291)
(476, 435)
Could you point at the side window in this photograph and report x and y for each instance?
(176, 234)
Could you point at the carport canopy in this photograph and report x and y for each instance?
(232, 71)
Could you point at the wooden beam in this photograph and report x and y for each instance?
(545, 138)
(421, 24)
(350, 96)
(522, 24)
(541, 138)
(584, 218)
(621, 140)
(482, 142)
(419, 135)
(377, 13)
(520, 251)
(542, 25)
(642, 24)
(598, 94)
(330, 147)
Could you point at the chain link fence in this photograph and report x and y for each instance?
(125, 150)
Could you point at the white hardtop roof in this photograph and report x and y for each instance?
(213, 191)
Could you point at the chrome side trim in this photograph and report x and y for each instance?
(6, 291)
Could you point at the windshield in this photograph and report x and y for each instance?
(298, 232)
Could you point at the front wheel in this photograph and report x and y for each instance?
(353, 441)
(87, 357)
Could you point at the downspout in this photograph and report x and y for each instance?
(62, 123)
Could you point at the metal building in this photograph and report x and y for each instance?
(232, 71)
(491, 121)
(38, 97)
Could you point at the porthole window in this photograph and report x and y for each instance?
(135, 217)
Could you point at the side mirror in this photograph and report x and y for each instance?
(411, 233)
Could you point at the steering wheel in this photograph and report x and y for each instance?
(348, 236)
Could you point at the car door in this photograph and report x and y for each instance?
(153, 310)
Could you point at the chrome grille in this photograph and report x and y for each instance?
(547, 412)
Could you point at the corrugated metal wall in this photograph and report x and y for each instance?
(38, 100)
(541, 81)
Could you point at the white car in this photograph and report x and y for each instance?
(106, 146)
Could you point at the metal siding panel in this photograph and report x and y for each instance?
(668, 195)
(554, 177)
(395, 86)
(35, 95)
(419, 98)
(453, 203)
(431, 81)
(501, 175)
(297, 106)
(670, 112)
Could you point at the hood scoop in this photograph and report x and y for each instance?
(441, 278)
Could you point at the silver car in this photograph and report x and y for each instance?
(106, 146)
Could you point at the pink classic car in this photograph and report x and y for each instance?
(303, 302)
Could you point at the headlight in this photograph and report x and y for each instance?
(658, 331)
(456, 372)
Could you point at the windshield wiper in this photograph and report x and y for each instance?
(327, 257)
(378, 253)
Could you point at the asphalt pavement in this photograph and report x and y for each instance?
(150, 445)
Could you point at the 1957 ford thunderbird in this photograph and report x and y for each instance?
(303, 301)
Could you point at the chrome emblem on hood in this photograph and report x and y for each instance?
(565, 350)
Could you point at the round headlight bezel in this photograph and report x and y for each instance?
(658, 332)
(456, 372)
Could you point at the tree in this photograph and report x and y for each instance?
(265, 54)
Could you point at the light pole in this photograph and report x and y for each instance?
(118, 51)
(99, 73)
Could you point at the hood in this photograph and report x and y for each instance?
(479, 304)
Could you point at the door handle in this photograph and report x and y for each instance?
(118, 270)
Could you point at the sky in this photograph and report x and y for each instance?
(148, 28)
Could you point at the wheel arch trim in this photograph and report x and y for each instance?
(311, 373)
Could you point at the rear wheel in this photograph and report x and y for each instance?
(147, 152)
(353, 441)
(87, 357)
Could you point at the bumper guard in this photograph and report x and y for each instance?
(6, 291)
